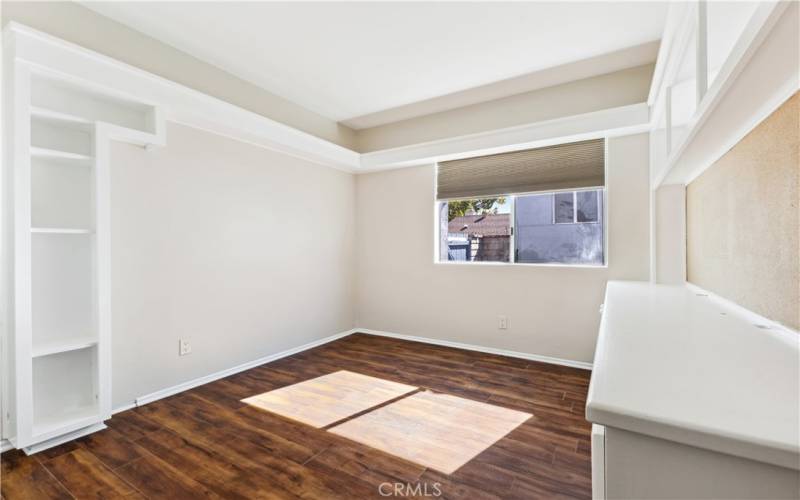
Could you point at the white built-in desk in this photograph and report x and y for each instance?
(693, 397)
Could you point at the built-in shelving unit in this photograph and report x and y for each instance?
(67, 383)
(58, 165)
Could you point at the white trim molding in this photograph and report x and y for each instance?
(181, 104)
(5, 445)
(623, 120)
(583, 365)
(189, 107)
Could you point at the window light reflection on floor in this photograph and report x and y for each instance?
(440, 431)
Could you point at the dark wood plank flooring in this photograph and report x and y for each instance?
(206, 443)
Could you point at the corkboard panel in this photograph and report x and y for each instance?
(742, 220)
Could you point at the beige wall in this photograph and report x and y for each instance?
(620, 88)
(84, 27)
(552, 311)
(743, 220)
(244, 251)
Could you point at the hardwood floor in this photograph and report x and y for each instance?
(207, 443)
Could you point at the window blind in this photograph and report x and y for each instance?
(562, 166)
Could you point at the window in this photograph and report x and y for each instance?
(564, 208)
(564, 227)
(588, 206)
(475, 230)
(538, 206)
(576, 206)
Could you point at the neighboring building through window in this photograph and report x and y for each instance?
(563, 227)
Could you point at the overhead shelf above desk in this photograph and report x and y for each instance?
(704, 99)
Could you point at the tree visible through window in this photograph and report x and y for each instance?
(475, 230)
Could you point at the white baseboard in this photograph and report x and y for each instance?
(185, 386)
(5, 445)
(490, 350)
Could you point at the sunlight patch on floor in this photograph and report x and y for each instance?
(330, 398)
(439, 431)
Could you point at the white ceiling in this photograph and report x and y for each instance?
(349, 59)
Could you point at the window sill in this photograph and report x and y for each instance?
(520, 264)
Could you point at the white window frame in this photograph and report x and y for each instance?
(512, 222)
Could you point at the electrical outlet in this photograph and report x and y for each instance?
(502, 322)
(184, 347)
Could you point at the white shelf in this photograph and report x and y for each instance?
(61, 118)
(51, 425)
(56, 347)
(60, 230)
(63, 156)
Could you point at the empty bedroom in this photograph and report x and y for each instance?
(425, 249)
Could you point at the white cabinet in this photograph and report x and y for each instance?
(692, 397)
